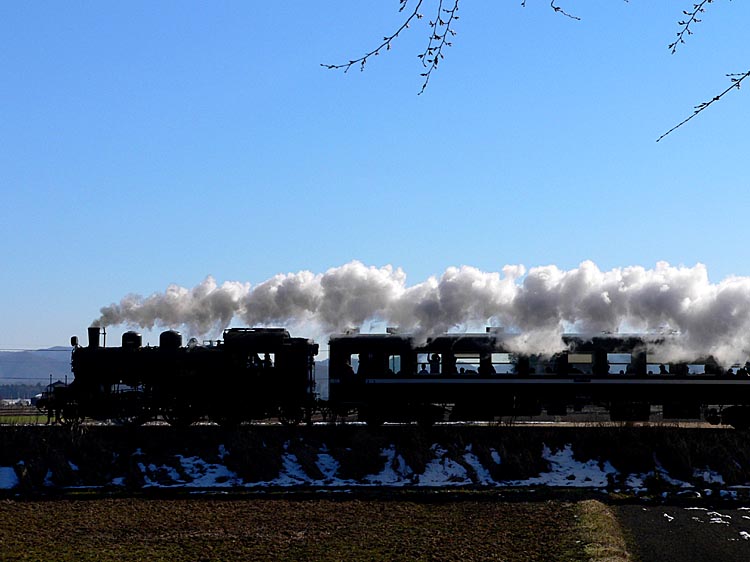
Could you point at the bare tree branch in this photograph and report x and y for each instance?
(441, 30)
(386, 44)
(559, 10)
(736, 81)
(692, 17)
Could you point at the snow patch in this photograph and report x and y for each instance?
(395, 472)
(664, 475)
(495, 456)
(715, 517)
(443, 471)
(196, 473)
(568, 472)
(709, 476)
(291, 473)
(328, 466)
(8, 478)
(483, 475)
(204, 475)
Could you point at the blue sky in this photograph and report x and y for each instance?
(151, 143)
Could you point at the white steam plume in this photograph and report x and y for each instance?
(539, 304)
(203, 309)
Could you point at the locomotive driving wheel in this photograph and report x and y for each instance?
(291, 416)
(132, 420)
(736, 416)
(70, 415)
(180, 415)
(372, 416)
(227, 420)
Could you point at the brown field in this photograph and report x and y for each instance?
(294, 529)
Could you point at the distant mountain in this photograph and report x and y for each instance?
(29, 367)
(321, 378)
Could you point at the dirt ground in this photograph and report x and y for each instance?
(684, 533)
(282, 529)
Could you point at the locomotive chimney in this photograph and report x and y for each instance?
(94, 336)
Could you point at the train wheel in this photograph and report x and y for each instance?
(228, 421)
(429, 414)
(71, 416)
(736, 416)
(182, 416)
(629, 411)
(291, 416)
(328, 414)
(134, 420)
(179, 420)
(372, 417)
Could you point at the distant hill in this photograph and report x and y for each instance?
(29, 367)
(321, 378)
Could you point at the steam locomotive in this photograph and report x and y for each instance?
(251, 374)
(264, 373)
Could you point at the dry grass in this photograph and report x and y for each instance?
(286, 529)
(601, 533)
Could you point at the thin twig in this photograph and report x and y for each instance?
(440, 32)
(559, 10)
(386, 44)
(441, 29)
(736, 81)
(685, 24)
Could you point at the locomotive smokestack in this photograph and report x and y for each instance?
(94, 332)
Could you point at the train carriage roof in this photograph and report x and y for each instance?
(262, 338)
(489, 341)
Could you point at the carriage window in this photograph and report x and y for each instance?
(657, 365)
(371, 363)
(467, 363)
(394, 364)
(353, 361)
(429, 363)
(619, 363)
(347, 364)
(261, 360)
(663, 368)
(580, 363)
(504, 363)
